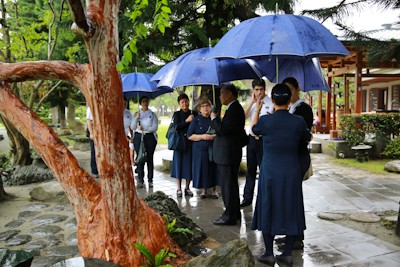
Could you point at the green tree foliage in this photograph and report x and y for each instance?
(191, 25)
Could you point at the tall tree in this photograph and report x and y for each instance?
(110, 216)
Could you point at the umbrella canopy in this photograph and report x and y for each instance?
(308, 73)
(192, 68)
(138, 84)
(279, 35)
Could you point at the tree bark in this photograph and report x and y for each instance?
(110, 216)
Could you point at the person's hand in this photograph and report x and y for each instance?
(208, 137)
(140, 128)
(91, 136)
(190, 118)
(253, 98)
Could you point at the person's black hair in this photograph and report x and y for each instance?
(231, 88)
(292, 81)
(258, 82)
(281, 94)
(183, 96)
(125, 99)
(143, 97)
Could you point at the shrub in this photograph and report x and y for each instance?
(356, 126)
(392, 149)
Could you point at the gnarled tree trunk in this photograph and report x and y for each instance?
(110, 216)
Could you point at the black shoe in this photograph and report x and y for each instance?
(269, 260)
(150, 184)
(188, 193)
(245, 203)
(298, 245)
(223, 222)
(286, 260)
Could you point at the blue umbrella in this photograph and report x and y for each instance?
(278, 35)
(139, 84)
(307, 72)
(192, 68)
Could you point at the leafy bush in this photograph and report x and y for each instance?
(392, 149)
(356, 126)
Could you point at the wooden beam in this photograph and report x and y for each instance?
(341, 71)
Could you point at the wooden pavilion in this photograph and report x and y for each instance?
(376, 87)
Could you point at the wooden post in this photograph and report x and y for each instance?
(334, 107)
(346, 97)
(328, 102)
(358, 86)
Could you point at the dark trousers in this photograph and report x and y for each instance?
(254, 157)
(93, 164)
(228, 179)
(150, 144)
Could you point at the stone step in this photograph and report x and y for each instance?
(315, 147)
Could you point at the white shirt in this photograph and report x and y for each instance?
(148, 121)
(293, 106)
(267, 108)
(89, 115)
(127, 121)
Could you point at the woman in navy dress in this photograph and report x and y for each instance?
(182, 160)
(200, 133)
(279, 209)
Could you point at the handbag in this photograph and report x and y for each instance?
(176, 139)
(141, 156)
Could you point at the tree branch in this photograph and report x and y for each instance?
(44, 70)
(79, 15)
(46, 95)
(53, 151)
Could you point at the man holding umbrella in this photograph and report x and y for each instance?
(227, 152)
(255, 146)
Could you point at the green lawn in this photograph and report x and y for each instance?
(162, 131)
(373, 166)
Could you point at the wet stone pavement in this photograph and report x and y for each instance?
(49, 229)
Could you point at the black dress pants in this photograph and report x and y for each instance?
(228, 179)
(150, 144)
(93, 164)
(254, 157)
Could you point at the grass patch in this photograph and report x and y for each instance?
(162, 132)
(373, 166)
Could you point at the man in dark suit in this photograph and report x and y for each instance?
(227, 152)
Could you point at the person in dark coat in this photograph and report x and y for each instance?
(279, 208)
(227, 152)
(299, 107)
(182, 160)
(201, 134)
(254, 147)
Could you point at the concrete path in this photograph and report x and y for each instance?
(331, 189)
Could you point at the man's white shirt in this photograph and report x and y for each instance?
(267, 108)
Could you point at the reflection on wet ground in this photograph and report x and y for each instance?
(331, 189)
